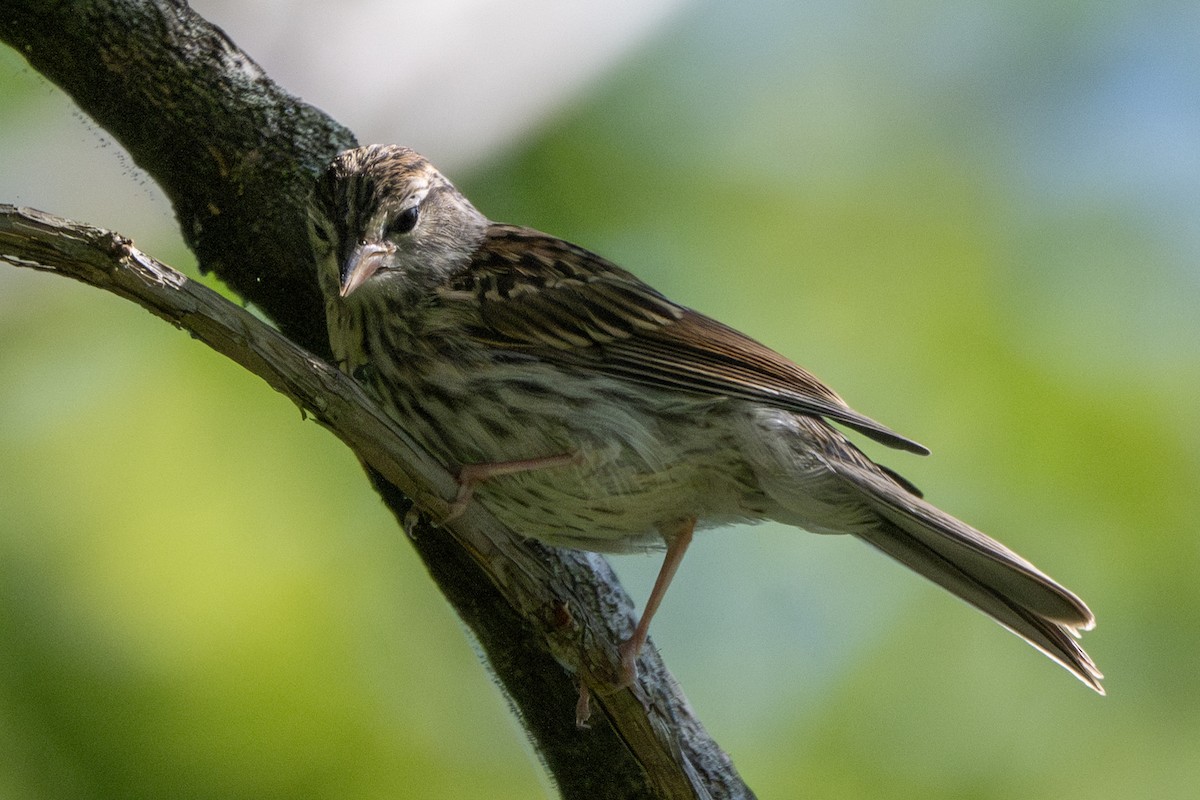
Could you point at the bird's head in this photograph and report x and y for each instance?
(382, 216)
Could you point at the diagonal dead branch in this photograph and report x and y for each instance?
(659, 749)
(236, 155)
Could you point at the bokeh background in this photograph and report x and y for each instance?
(977, 220)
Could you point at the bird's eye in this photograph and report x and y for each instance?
(405, 221)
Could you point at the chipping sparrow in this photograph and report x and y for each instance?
(585, 409)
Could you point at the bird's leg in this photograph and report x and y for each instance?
(471, 475)
(583, 707)
(678, 538)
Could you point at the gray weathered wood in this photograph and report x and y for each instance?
(236, 154)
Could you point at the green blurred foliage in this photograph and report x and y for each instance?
(975, 221)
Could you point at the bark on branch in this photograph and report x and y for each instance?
(236, 155)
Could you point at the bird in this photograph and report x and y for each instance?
(585, 409)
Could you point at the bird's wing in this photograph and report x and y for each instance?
(527, 291)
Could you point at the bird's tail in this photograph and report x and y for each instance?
(981, 571)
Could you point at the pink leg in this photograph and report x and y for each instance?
(472, 475)
(677, 545)
(583, 707)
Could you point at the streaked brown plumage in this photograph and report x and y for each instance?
(585, 409)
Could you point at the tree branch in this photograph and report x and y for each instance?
(233, 152)
(236, 155)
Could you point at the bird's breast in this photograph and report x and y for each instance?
(643, 457)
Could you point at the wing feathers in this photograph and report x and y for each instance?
(532, 292)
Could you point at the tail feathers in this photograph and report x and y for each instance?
(1055, 639)
(979, 570)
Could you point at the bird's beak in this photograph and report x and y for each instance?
(364, 262)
